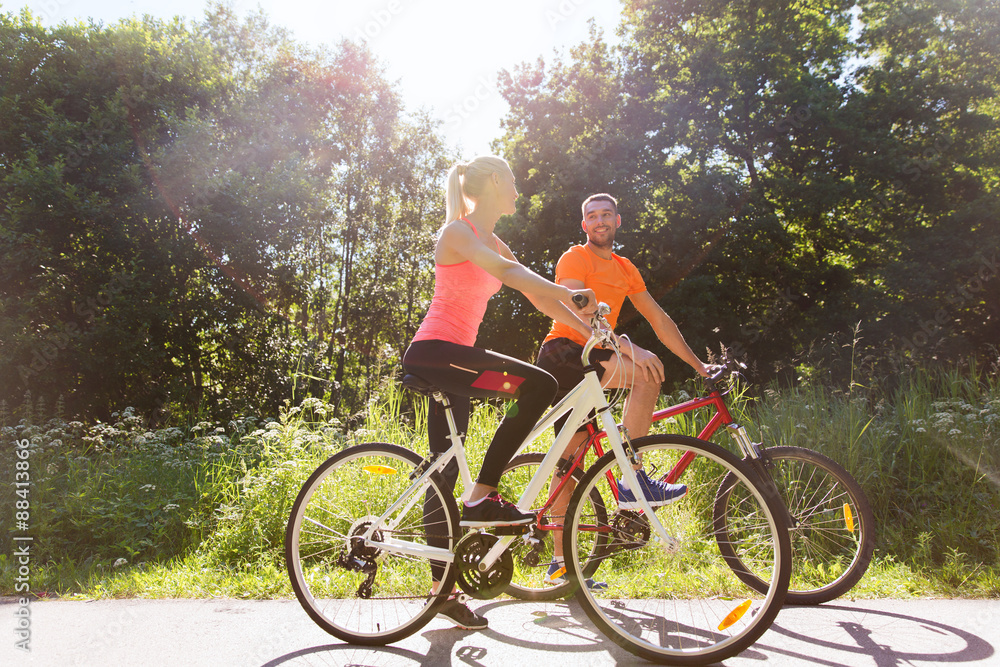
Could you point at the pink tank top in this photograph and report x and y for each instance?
(461, 292)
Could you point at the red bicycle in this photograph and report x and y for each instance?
(829, 517)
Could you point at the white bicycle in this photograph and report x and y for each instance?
(358, 542)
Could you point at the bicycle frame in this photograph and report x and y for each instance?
(586, 396)
(721, 418)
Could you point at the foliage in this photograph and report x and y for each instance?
(205, 218)
(784, 170)
(118, 490)
(927, 455)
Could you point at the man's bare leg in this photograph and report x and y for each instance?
(637, 419)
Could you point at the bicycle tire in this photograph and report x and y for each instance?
(686, 607)
(355, 485)
(531, 564)
(834, 536)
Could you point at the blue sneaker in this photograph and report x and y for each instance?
(557, 576)
(657, 493)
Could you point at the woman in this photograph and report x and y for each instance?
(471, 264)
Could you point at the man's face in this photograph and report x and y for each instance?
(600, 222)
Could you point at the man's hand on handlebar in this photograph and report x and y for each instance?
(708, 370)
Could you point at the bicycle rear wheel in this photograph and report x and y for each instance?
(683, 607)
(834, 533)
(531, 559)
(361, 593)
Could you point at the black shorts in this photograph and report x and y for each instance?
(561, 358)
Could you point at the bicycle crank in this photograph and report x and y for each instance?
(469, 551)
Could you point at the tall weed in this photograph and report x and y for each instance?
(113, 492)
(115, 506)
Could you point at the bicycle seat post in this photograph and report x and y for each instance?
(457, 449)
(453, 434)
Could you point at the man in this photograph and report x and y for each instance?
(594, 265)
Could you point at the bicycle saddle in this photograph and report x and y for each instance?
(418, 384)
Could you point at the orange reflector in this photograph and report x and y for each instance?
(379, 470)
(558, 573)
(735, 614)
(848, 517)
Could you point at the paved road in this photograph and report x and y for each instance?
(192, 633)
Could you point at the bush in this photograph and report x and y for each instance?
(113, 492)
(218, 496)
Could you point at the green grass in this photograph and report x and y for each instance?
(118, 510)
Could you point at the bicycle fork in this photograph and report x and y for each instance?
(761, 463)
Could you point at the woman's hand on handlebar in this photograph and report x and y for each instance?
(584, 302)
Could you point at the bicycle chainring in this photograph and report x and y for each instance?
(469, 552)
(630, 530)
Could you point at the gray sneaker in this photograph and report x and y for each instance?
(462, 616)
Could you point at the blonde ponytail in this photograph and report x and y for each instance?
(456, 205)
(466, 183)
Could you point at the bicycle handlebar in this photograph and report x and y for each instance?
(601, 334)
(728, 366)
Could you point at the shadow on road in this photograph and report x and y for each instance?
(889, 639)
(828, 635)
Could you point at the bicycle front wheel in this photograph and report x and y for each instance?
(833, 531)
(362, 593)
(681, 603)
(532, 556)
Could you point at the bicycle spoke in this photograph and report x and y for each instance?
(363, 590)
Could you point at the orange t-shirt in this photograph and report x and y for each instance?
(611, 279)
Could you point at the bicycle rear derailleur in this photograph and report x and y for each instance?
(360, 557)
(534, 541)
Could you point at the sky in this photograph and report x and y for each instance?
(443, 54)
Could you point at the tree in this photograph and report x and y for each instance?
(928, 105)
(205, 218)
(749, 145)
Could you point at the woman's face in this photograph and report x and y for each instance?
(507, 192)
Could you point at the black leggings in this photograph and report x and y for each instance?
(463, 372)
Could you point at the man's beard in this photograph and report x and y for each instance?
(607, 244)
